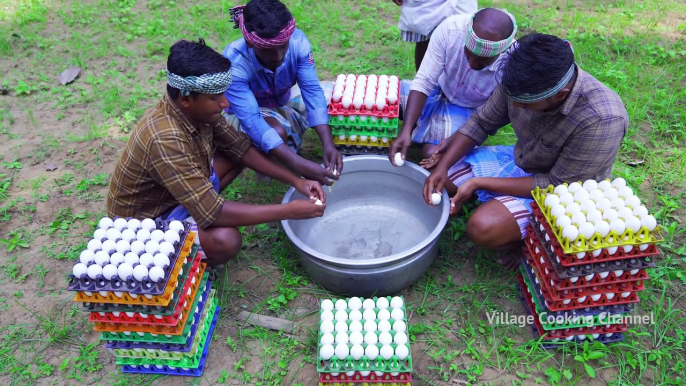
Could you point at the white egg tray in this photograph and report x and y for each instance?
(144, 287)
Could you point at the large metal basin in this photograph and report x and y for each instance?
(377, 237)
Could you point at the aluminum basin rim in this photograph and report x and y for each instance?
(370, 263)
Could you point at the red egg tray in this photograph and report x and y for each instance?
(401, 378)
(570, 260)
(390, 111)
(196, 272)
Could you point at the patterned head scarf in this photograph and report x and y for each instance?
(216, 83)
(487, 48)
(256, 41)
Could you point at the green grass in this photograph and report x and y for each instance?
(635, 47)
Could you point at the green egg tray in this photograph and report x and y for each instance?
(150, 310)
(172, 358)
(369, 122)
(158, 338)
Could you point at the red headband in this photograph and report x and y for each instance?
(256, 41)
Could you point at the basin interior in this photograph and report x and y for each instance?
(371, 214)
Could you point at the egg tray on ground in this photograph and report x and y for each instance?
(352, 150)
(172, 358)
(194, 274)
(643, 236)
(537, 251)
(553, 246)
(618, 337)
(148, 300)
(554, 294)
(357, 378)
(199, 307)
(573, 304)
(197, 290)
(146, 287)
(563, 333)
(194, 371)
(179, 294)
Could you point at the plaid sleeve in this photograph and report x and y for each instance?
(178, 172)
(488, 118)
(588, 154)
(229, 141)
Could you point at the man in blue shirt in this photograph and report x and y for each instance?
(270, 59)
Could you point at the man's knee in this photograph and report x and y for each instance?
(221, 245)
(427, 150)
(493, 227)
(480, 231)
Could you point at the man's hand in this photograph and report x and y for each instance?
(400, 144)
(398, 2)
(464, 193)
(434, 183)
(310, 189)
(428, 163)
(333, 160)
(311, 170)
(304, 209)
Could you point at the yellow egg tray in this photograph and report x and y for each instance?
(144, 300)
(582, 244)
(358, 141)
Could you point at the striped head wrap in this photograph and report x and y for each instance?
(545, 94)
(256, 41)
(216, 83)
(487, 48)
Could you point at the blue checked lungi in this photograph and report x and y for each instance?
(439, 118)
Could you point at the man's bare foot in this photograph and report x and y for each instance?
(510, 260)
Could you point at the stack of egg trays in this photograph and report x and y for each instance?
(146, 287)
(335, 365)
(556, 344)
(174, 358)
(643, 236)
(166, 316)
(199, 301)
(401, 379)
(164, 299)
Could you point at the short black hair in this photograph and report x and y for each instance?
(537, 63)
(187, 58)
(266, 18)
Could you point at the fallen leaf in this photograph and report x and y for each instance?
(67, 76)
(49, 166)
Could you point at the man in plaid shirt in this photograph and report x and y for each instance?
(183, 153)
(569, 127)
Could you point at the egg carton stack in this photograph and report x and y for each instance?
(147, 292)
(587, 252)
(363, 113)
(364, 341)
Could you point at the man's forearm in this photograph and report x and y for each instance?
(254, 159)
(324, 133)
(517, 187)
(235, 214)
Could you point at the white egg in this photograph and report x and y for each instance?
(152, 247)
(354, 303)
(369, 102)
(617, 226)
(346, 101)
(131, 259)
(617, 203)
(326, 315)
(632, 202)
(341, 338)
(356, 337)
(563, 221)
(570, 232)
(109, 246)
(400, 338)
(380, 103)
(625, 192)
(355, 315)
(581, 196)
(552, 200)
(386, 351)
(560, 189)
(596, 195)
(80, 270)
(625, 213)
(143, 235)
(373, 139)
(172, 237)
(382, 303)
(383, 314)
(102, 258)
(612, 250)
(368, 304)
(109, 272)
(123, 247)
(594, 216)
(402, 351)
(590, 185)
(399, 326)
(603, 204)
(572, 208)
(341, 304)
(435, 198)
(342, 351)
(341, 326)
(94, 245)
(633, 272)
(116, 259)
(566, 198)
(618, 183)
(120, 224)
(161, 260)
(128, 235)
(167, 248)
(369, 314)
(326, 327)
(87, 257)
(611, 193)
(587, 230)
(327, 305)
(100, 234)
(649, 222)
(357, 102)
(326, 339)
(574, 187)
(397, 302)
(610, 215)
(94, 271)
(146, 260)
(384, 325)
(643, 247)
(133, 225)
(624, 294)
(397, 314)
(371, 337)
(157, 235)
(587, 206)
(105, 223)
(138, 247)
(326, 352)
(604, 185)
(392, 99)
(341, 315)
(371, 352)
(370, 326)
(557, 211)
(356, 351)
(156, 274)
(337, 94)
(578, 218)
(140, 273)
(353, 137)
(363, 138)
(355, 326)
